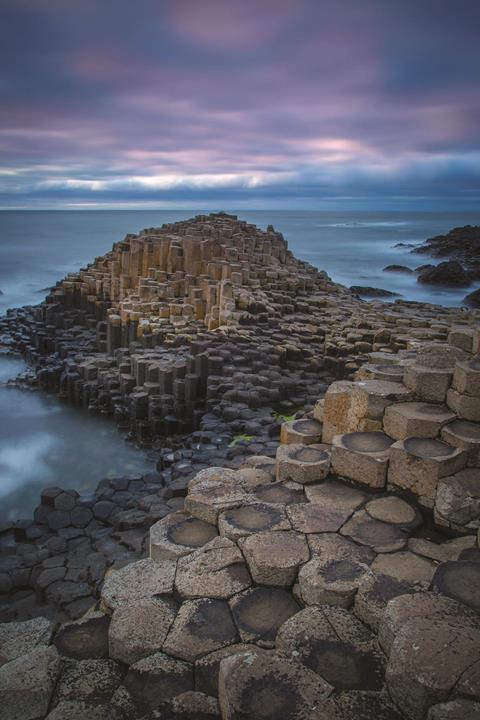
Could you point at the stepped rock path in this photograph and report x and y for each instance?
(323, 566)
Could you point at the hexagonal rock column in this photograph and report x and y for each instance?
(302, 464)
(156, 678)
(261, 684)
(390, 373)
(201, 626)
(335, 571)
(466, 377)
(417, 464)
(179, 534)
(381, 537)
(27, 684)
(459, 580)
(416, 419)
(457, 503)
(216, 570)
(336, 409)
(260, 612)
(362, 457)
(430, 661)
(465, 435)
(137, 581)
(302, 432)
(254, 518)
(139, 630)
(337, 646)
(466, 406)
(405, 608)
(213, 490)
(429, 384)
(273, 558)
(369, 400)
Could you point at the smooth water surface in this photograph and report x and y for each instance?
(43, 442)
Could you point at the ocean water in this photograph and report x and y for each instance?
(43, 442)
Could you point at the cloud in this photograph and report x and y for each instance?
(181, 98)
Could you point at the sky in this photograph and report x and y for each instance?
(239, 103)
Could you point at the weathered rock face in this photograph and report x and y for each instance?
(446, 273)
(461, 243)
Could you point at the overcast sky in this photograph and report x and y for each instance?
(254, 103)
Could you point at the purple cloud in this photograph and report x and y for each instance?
(167, 98)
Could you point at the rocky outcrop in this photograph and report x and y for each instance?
(450, 274)
(322, 566)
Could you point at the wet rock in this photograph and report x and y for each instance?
(336, 645)
(259, 613)
(179, 534)
(84, 638)
(366, 291)
(459, 580)
(449, 274)
(379, 536)
(259, 684)
(156, 679)
(190, 706)
(397, 268)
(200, 627)
(335, 571)
(207, 667)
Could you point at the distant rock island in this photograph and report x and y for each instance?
(308, 545)
(462, 248)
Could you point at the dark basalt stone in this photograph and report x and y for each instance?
(428, 448)
(366, 291)
(253, 517)
(397, 268)
(450, 274)
(260, 612)
(459, 580)
(473, 299)
(343, 665)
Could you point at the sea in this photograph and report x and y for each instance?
(43, 442)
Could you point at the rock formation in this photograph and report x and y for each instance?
(325, 566)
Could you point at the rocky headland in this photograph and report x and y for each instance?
(461, 247)
(308, 547)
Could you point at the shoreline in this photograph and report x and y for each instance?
(303, 533)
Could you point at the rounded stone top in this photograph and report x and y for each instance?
(431, 409)
(464, 428)
(392, 510)
(253, 517)
(308, 454)
(192, 532)
(307, 426)
(428, 448)
(367, 442)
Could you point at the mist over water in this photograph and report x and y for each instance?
(43, 442)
